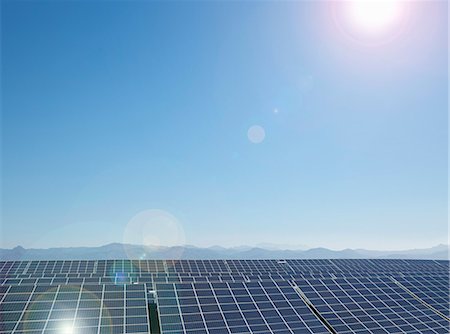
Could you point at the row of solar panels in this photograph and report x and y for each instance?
(70, 309)
(151, 279)
(179, 276)
(406, 301)
(348, 305)
(105, 267)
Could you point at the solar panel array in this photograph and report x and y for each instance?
(74, 308)
(224, 296)
(240, 307)
(355, 305)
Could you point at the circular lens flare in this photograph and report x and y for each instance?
(153, 231)
(374, 15)
(256, 134)
(371, 22)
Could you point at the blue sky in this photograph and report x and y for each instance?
(110, 109)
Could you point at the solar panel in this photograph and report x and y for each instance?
(433, 290)
(224, 296)
(110, 268)
(74, 309)
(353, 305)
(254, 307)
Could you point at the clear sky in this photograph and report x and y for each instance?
(300, 123)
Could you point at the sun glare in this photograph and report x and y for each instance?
(371, 22)
(374, 15)
(67, 329)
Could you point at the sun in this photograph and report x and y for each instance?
(374, 16)
(371, 22)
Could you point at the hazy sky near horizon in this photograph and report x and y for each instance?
(243, 122)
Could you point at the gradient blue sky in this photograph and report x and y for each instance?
(113, 108)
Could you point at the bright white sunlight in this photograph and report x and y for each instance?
(375, 15)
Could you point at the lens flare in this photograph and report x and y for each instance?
(374, 16)
(371, 22)
(153, 229)
(256, 134)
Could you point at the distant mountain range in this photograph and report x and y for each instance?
(125, 251)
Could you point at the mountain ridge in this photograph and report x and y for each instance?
(129, 251)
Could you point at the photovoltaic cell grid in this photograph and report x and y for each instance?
(105, 269)
(368, 305)
(434, 290)
(373, 266)
(150, 279)
(255, 307)
(225, 296)
(74, 309)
